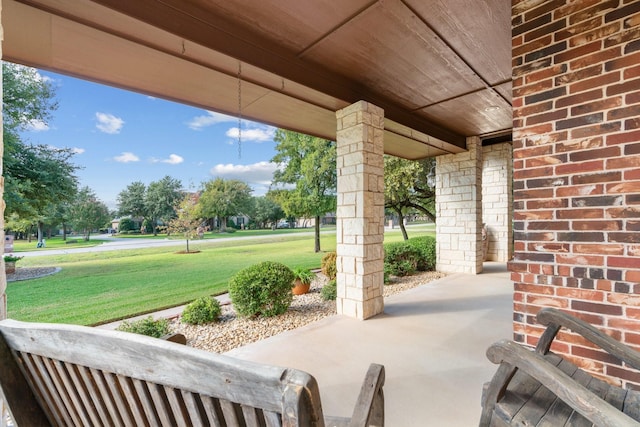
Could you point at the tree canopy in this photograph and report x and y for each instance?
(88, 212)
(222, 198)
(187, 222)
(408, 187)
(36, 176)
(309, 164)
(161, 199)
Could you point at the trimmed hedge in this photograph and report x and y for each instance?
(262, 289)
(146, 326)
(329, 291)
(401, 258)
(202, 310)
(427, 247)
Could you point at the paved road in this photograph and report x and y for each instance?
(111, 243)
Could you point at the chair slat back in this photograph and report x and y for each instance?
(85, 376)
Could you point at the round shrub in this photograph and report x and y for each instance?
(328, 265)
(201, 310)
(401, 258)
(329, 291)
(262, 289)
(427, 247)
(146, 326)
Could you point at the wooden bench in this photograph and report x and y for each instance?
(539, 388)
(79, 376)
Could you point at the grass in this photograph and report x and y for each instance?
(99, 287)
(53, 243)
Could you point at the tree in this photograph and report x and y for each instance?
(160, 200)
(408, 185)
(309, 163)
(88, 212)
(266, 211)
(188, 222)
(222, 198)
(36, 176)
(131, 200)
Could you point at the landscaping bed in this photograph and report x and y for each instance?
(231, 331)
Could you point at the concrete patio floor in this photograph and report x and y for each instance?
(431, 339)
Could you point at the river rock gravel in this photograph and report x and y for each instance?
(231, 331)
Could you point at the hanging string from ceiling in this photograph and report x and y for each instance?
(239, 109)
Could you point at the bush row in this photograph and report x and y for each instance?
(264, 289)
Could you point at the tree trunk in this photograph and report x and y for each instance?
(64, 232)
(402, 228)
(317, 233)
(223, 224)
(187, 245)
(40, 231)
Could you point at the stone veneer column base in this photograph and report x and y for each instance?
(360, 213)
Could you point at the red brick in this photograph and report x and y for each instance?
(590, 260)
(547, 117)
(578, 29)
(592, 307)
(621, 113)
(533, 109)
(585, 13)
(545, 73)
(601, 153)
(534, 215)
(631, 73)
(596, 82)
(605, 104)
(579, 98)
(625, 212)
(545, 193)
(539, 150)
(595, 58)
(573, 53)
(627, 86)
(594, 355)
(580, 190)
(624, 187)
(624, 324)
(623, 163)
(633, 123)
(532, 130)
(596, 178)
(623, 138)
(580, 214)
(594, 130)
(581, 144)
(582, 167)
(597, 225)
(547, 301)
(533, 88)
(545, 160)
(599, 249)
(546, 139)
(624, 299)
(584, 294)
(572, 7)
(532, 173)
(552, 203)
(627, 262)
(632, 98)
(632, 174)
(595, 34)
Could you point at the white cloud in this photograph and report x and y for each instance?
(77, 150)
(37, 126)
(173, 159)
(260, 173)
(256, 133)
(126, 157)
(108, 123)
(210, 119)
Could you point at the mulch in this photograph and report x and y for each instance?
(27, 273)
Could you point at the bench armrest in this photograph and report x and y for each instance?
(575, 395)
(369, 409)
(555, 319)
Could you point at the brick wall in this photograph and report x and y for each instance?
(576, 98)
(497, 200)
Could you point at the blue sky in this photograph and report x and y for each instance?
(121, 137)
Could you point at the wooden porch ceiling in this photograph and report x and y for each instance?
(441, 69)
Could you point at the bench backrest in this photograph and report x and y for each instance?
(75, 375)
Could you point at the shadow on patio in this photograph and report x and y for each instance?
(431, 339)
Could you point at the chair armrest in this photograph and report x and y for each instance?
(555, 319)
(369, 409)
(575, 395)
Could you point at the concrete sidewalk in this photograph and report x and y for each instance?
(431, 339)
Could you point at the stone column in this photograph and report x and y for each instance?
(459, 210)
(360, 213)
(3, 276)
(497, 199)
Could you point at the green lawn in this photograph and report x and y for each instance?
(53, 243)
(104, 286)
